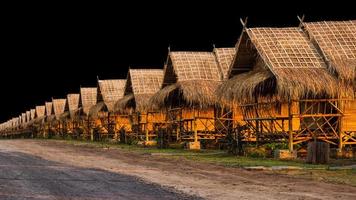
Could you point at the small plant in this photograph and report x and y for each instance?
(273, 146)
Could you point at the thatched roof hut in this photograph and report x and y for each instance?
(73, 104)
(33, 114)
(88, 98)
(337, 42)
(191, 78)
(40, 111)
(58, 107)
(28, 116)
(279, 64)
(48, 109)
(23, 118)
(110, 91)
(16, 122)
(140, 86)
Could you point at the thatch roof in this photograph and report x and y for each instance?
(28, 116)
(23, 118)
(94, 110)
(337, 42)
(17, 121)
(277, 63)
(58, 107)
(40, 111)
(190, 78)
(141, 85)
(111, 91)
(73, 104)
(33, 113)
(20, 119)
(88, 98)
(65, 115)
(224, 58)
(49, 108)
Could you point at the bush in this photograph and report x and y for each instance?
(256, 152)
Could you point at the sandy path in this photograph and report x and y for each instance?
(205, 180)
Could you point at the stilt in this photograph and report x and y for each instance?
(290, 127)
(341, 134)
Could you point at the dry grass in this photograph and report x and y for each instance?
(188, 93)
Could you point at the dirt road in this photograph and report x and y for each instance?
(26, 176)
(82, 172)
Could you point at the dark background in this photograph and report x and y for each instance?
(50, 50)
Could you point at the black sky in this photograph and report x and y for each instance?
(50, 50)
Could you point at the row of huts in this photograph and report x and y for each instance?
(289, 85)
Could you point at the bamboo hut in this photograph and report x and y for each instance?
(187, 94)
(33, 114)
(109, 92)
(72, 120)
(49, 118)
(28, 117)
(141, 85)
(336, 41)
(58, 111)
(40, 120)
(280, 80)
(88, 99)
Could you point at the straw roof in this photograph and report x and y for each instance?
(224, 58)
(337, 41)
(40, 111)
(88, 98)
(73, 104)
(94, 110)
(65, 115)
(141, 85)
(58, 107)
(49, 108)
(280, 63)
(111, 91)
(190, 78)
(17, 121)
(23, 118)
(33, 113)
(28, 116)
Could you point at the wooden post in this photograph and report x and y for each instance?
(90, 131)
(108, 126)
(146, 128)
(195, 127)
(178, 132)
(341, 134)
(290, 126)
(195, 130)
(257, 131)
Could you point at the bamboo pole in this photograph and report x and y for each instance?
(146, 128)
(195, 128)
(341, 134)
(290, 127)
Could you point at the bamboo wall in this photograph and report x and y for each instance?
(349, 119)
(123, 121)
(153, 118)
(238, 116)
(205, 118)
